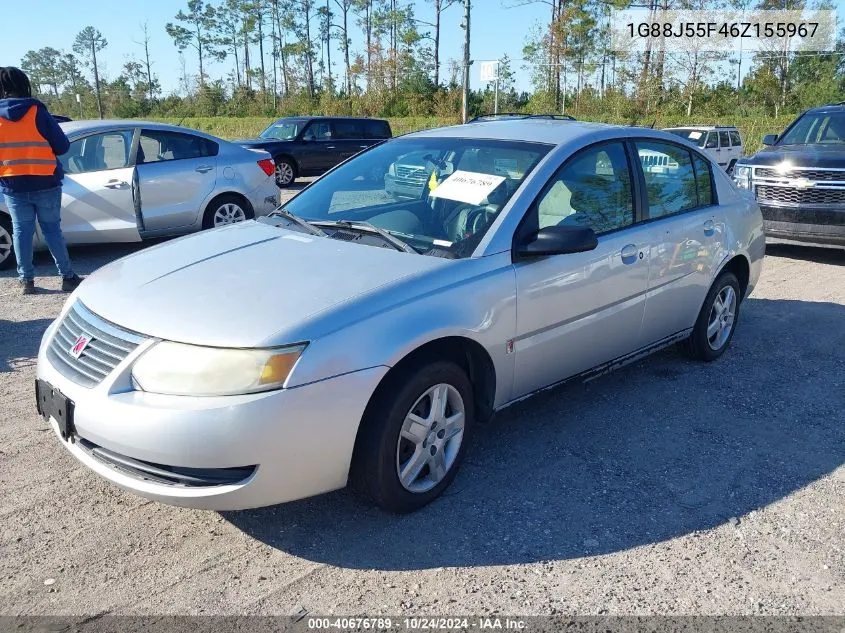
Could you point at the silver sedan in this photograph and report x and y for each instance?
(130, 180)
(375, 331)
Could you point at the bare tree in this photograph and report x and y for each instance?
(89, 41)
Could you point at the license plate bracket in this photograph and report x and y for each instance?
(52, 403)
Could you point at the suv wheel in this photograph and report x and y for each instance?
(7, 249)
(716, 322)
(285, 172)
(413, 437)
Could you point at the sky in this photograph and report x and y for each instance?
(496, 30)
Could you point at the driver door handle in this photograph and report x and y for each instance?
(204, 168)
(629, 253)
(114, 183)
(329, 146)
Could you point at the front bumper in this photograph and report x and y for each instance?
(811, 225)
(290, 443)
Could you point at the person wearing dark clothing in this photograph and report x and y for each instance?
(31, 176)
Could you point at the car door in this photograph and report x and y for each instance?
(97, 195)
(349, 138)
(680, 210)
(711, 146)
(725, 149)
(177, 171)
(580, 310)
(319, 148)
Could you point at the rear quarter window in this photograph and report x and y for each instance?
(377, 129)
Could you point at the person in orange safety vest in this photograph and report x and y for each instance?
(30, 180)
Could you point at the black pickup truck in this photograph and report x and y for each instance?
(311, 145)
(799, 178)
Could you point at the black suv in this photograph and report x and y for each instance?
(311, 145)
(799, 179)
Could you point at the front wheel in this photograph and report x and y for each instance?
(7, 249)
(716, 322)
(413, 437)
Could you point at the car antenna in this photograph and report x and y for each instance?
(653, 123)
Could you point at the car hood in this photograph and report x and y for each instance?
(822, 156)
(245, 285)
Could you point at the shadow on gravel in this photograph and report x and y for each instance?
(816, 254)
(19, 341)
(662, 448)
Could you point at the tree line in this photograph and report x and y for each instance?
(277, 56)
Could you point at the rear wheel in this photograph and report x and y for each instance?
(227, 209)
(716, 322)
(285, 172)
(7, 249)
(414, 436)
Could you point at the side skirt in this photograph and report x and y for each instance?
(606, 368)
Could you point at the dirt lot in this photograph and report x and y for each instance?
(667, 487)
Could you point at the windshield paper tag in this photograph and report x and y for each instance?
(695, 135)
(467, 186)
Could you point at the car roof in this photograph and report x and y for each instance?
(532, 130)
(831, 107)
(95, 125)
(321, 117)
(702, 127)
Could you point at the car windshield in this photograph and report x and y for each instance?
(437, 195)
(825, 127)
(282, 130)
(696, 136)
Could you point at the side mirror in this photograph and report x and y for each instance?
(770, 139)
(558, 240)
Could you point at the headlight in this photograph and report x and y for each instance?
(190, 370)
(742, 176)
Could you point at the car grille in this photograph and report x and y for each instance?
(794, 195)
(108, 346)
(410, 175)
(809, 174)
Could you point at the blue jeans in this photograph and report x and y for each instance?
(45, 206)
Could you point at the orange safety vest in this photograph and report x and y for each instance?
(23, 151)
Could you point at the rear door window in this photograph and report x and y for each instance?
(347, 129)
(670, 180)
(158, 145)
(724, 139)
(736, 139)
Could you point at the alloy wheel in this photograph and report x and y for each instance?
(5, 244)
(284, 173)
(721, 320)
(229, 213)
(430, 439)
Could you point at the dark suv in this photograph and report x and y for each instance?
(311, 145)
(799, 179)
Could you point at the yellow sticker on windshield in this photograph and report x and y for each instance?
(432, 181)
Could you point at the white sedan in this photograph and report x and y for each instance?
(130, 180)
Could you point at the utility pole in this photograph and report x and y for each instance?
(467, 61)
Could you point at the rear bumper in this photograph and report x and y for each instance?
(265, 198)
(810, 225)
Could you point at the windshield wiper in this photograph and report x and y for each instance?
(367, 227)
(287, 215)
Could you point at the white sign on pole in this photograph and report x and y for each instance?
(489, 71)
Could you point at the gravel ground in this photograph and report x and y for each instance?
(666, 487)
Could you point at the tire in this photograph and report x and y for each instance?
(227, 209)
(708, 347)
(7, 249)
(285, 172)
(384, 447)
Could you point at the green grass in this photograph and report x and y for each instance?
(752, 128)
